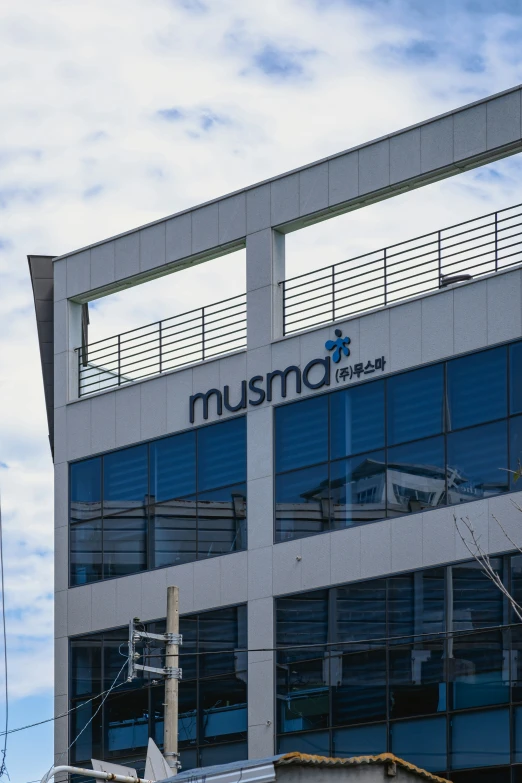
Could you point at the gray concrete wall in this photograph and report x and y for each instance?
(363, 773)
(432, 327)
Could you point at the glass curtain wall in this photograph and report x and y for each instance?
(426, 665)
(439, 435)
(212, 722)
(161, 503)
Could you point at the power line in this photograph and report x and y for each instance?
(3, 769)
(411, 637)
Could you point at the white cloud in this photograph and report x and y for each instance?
(84, 154)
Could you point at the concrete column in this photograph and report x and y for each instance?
(265, 260)
(261, 686)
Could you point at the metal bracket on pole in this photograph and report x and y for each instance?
(169, 672)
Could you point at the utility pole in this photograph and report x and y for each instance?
(170, 730)
(170, 671)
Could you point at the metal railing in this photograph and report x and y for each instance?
(426, 263)
(162, 346)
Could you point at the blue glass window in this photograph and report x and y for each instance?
(480, 675)
(361, 695)
(416, 604)
(476, 460)
(422, 742)
(301, 433)
(221, 454)
(174, 526)
(480, 739)
(86, 489)
(314, 742)
(361, 612)
(360, 741)
(416, 476)
(415, 404)
(302, 503)
(221, 521)
(477, 388)
(303, 695)
(124, 544)
(518, 735)
(85, 557)
(417, 680)
(173, 467)
(515, 452)
(358, 489)
(125, 479)
(477, 602)
(515, 376)
(357, 420)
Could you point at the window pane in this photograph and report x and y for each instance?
(89, 732)
(188, 627)
(360, 741)
(480, 671)
(416, 604)
(187, 717)
(416, 476)
(126, 723)
(415, 404)
(476, 463)
(125, 479)
(297, 424)
(223, 754)
(174, 531)
(477, 388)
(518, 735)
(480, 739)
(303, 695)
(223, 704)
(219, 631)
(358, 489)
(417, 684)
(173, 467)
(222, 454)
(221, 521)
(515, 451)
(515, 374)
(124, 545)
(315, 742)
(115, 647)
(302, 503)
(85, 552)
(86, 667)
(361, 696)
(422, 742)
(301, 619)
(477, 602)
(357, 420)
(86, 489)
(361, 614)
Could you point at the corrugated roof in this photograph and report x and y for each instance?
(382, 758)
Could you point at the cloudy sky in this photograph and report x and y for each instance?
(118, 112)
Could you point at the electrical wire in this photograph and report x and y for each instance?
(3, 768)
(411, 637)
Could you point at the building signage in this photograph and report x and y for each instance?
(316, 374)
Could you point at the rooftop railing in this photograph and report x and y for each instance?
(398, 272)
(162, 346)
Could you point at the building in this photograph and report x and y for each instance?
(293, 460)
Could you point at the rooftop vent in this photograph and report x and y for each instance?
(446, 280)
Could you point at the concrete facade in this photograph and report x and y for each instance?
(429, 328)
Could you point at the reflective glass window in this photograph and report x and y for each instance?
(357, 420)
(85, 556)
(416, 604)
(475, 462)
(417, 680)
(422, 742)
(415, 404)
(314, 742)
(88, 730)
(360, 612)
(126, 723)
(517, 757)
(515, 377)
(477, 602)
(480, 739)
(477, 388)
(221, 521)
(223, 754)
(223, 705)
(358, 489)
(416, 476)
(85, 489)
(359, 741)
(302, 503)
(515, 452)
(479, 670)
(300, 620)
(360, 696)
(124, 544)
(173, 467)
(187, 712)
(301, 432)
(125, 479)
(174, 529)
(303, 695)
(221, 455)
(86, 667)
(223, 630)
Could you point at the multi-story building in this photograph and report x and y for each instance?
(297, 460)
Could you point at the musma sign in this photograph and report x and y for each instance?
(260, 388)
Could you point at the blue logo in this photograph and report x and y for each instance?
(340, 345)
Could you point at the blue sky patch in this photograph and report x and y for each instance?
(92, 192)
(279, 63)
(170, 115)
